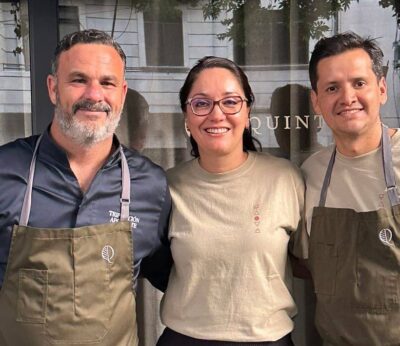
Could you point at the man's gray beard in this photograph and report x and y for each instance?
(82, 133)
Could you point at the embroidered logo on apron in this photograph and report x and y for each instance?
(107, 253)
(385, 236)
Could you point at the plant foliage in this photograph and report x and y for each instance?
(312, 13)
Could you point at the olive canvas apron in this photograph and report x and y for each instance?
(355, 264)
(70, 286)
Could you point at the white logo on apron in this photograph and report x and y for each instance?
(385, 236)
(107, 253)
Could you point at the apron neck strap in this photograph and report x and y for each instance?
(387, 169)
(327, 179)
(126, 187)
(26, 205)
(125, 193)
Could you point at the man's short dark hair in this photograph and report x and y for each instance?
(87, 37)
(340, 43)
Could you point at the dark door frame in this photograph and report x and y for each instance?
(43, 38)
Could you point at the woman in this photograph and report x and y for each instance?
(233, 212)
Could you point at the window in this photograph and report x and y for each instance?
(163, 37)
(68, 20)
(268, 37)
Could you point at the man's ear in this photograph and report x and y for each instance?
(315, 103)
(382, 90)
(52, 88)
(124, 90)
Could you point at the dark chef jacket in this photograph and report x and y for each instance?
(58, 201)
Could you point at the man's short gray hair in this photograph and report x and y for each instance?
(87, 37)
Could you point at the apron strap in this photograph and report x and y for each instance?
(26, 205)
(125, 193)
(387, 169)
(126, 187)
(327, 179)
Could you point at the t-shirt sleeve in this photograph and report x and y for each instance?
(298, 244)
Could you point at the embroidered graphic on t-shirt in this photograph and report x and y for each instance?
(256, 217)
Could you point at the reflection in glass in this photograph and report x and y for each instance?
(295, 124)
(159, 29)
(264, 36)
(68, 19)
(15, 101)
(132, 130)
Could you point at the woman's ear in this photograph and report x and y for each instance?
(186, 127)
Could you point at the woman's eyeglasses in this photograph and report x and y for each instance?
(202, 106)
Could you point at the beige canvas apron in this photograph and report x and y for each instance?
(355, 264)
(70, 286)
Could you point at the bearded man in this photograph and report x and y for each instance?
(81, 216)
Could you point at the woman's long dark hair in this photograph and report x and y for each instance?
(212, 62)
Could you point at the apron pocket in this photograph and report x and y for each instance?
(66, 321)
(32, 295)
(323, 264)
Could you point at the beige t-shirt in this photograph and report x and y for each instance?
(229, 234)
(356, 183)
